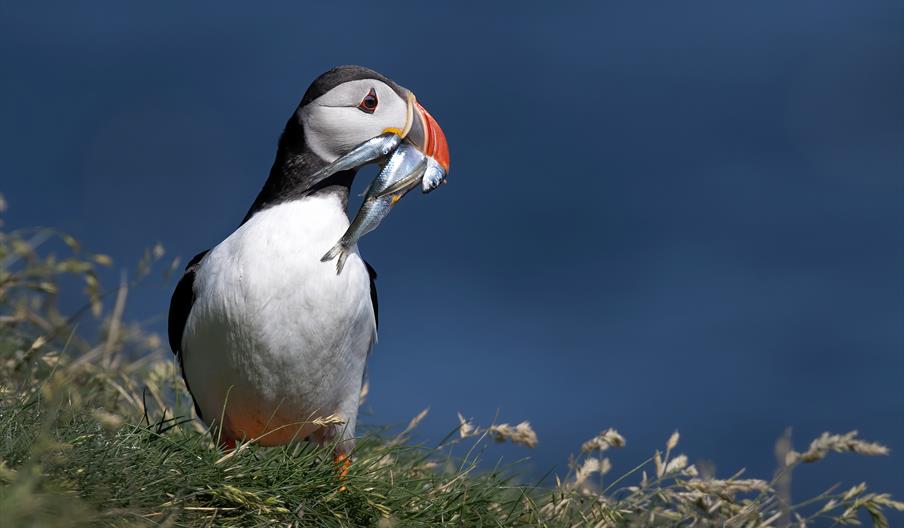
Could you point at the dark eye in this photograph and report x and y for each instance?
(369, 103)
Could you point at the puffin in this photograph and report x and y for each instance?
(272, 343)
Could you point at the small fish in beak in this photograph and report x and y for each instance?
(425, 134)
(420, 154)
(371, 150)
(434, 176)
(403, 171)
(421, 130)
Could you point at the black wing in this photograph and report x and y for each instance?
(181, 303)
(180, 307)
(373, 291)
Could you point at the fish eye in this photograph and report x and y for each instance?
(369, 103)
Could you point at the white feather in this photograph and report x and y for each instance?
(276, 328)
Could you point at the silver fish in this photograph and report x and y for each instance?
(434, 176)
(371, 150)
(430, 178)
(406, 165)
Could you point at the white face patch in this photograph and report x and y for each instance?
(333, 123)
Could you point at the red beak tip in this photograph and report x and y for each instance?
(435, 145)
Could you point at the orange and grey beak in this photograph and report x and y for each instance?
(425, 134)
(431, 140)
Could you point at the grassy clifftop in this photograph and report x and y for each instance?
(96, 429)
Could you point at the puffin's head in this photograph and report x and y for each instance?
(351, 104)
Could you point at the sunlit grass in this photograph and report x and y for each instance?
(99, 431)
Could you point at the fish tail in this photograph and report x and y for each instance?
(339, 250)
(341, 262)
(333, 252)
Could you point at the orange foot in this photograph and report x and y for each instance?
(227, 443)
(343, 464)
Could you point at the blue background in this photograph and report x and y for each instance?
(685, 215)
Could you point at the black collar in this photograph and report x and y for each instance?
(294, 163)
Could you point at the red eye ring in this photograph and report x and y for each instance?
(369, 104)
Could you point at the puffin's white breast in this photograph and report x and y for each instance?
(277, 329)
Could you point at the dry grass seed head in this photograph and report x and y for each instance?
(729, 487)
(466, 428)
(676, 464)
(673, 441)
(603, 441)
(521, 434)
(839, 443)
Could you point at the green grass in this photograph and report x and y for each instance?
(98, 431)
